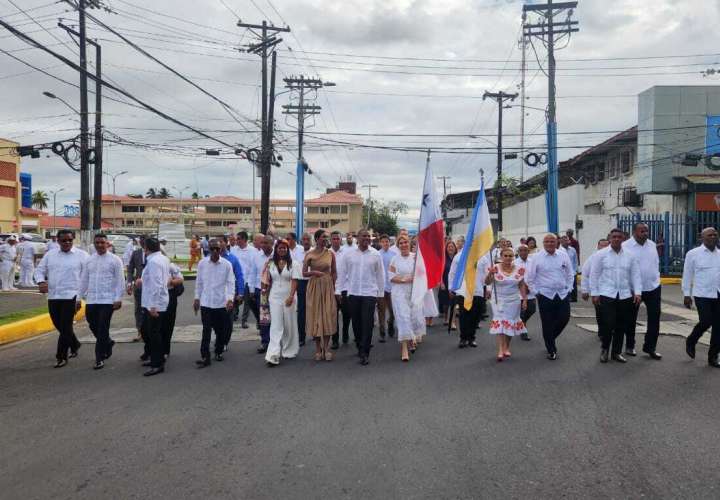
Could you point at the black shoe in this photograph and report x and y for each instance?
(472, 343)
(301, 343)
(653, 354)
(391, 331)
(98, 365)
(552, 356)
(334, 346)
(382, 339)
(73, 354)
(462, 344)
(244, 326)
(219, 357)
(144, 357)
(262, 349)
(202, 363)
(147, 363)
(631, 352)
(619, 358)
(690, 348)
(60, 363)
(524, 336)
(714, 363)
(364, 360)
(153, 371)
(108, 354)
(604, 356)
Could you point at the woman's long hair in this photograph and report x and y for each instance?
(449, 257)
(288, 258)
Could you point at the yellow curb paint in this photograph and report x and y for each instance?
(670, 280)
(31, 327)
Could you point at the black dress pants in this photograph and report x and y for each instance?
(528, 313)
(709, 317)
(554, 317)
(652, 301)
(98, 317)
(344, 310)
(616, 316)
(62, 312)
(169, 325)
(229, 324)
(152, 331)
(468, 320)
(301, 293)
(213, 319)
(249, 305)
(362, 312)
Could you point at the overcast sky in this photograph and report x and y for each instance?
(470, 46)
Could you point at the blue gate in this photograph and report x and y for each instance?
(674, 234)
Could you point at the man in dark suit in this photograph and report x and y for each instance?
(134, 272)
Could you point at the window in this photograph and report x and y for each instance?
(324, 224)
(133, 209)
(344, 209)
(324, 210)
(129, 222)
(613, 173)
(590, 175)
(8, 192)
(213, 210)
(312, 210)
(335, 209)
(7, 171)
(600, 172)
(229, 223)
(245, 210)
(215, 223)
(626, 162)
(231, 210)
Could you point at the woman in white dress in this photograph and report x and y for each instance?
(429, 305)
(509, 298)
(280, 283)
(409, 320)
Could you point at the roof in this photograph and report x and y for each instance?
(341, 197)
(628, 135)
(31, 211)
(48, 221)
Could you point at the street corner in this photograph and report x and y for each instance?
(30, 323)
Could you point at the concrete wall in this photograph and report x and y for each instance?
(10, 205)
(674, 120)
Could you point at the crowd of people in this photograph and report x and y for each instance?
(319, 288)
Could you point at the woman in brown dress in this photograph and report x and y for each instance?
(321, 307)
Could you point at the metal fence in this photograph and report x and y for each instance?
(674, 234)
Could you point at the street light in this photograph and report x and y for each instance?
(180, 212)
(114, 176)
(53, 96)
(54, 193)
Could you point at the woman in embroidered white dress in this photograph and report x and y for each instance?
(509, 297)
(409, 320)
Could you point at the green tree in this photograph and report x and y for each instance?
(40, 200)
(151, 193)
(384, 216)
(163, 193)
(195, 196)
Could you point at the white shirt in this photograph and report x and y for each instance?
(215, 284)
(482, 266)
(53, 245)
(340, 270)
(102, 280)
(701, 273)
(127, 254)
(363, 273)
(258, 264)
(27, 250)
(648, 260)
(572, 254)
(245, 256)
(615, 274)
(587, 273)
(8, 252)
(550, 274)
(387, 257)
(155, 278)
(523, 264)
(298, 255)
(61, 270)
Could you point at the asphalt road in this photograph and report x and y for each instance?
(450, 424)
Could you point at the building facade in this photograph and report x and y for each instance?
(218, 215)
(10, 189)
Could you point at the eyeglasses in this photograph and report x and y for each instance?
(215, 249)
(65, 241)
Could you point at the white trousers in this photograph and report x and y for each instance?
(7, 275)
(27, 269)
(284, 340)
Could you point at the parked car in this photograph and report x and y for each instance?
(119, 242)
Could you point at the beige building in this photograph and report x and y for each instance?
(10, 189)
(216, 215)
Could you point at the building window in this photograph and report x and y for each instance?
(133, 208)
(213, 210)
(626, 162)
(613, 173)
(8, 192)
(245, 210)
(7, 171)
(335, 209)
(344, 209)
(600, 172)
(324, 210)
(214, 223)
(229, 223)
(129, 222)
(324, 224)
(313, 210)
(231, 210)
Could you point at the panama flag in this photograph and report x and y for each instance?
(478, 242)
(430, 253)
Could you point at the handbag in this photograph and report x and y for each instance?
(264, 310)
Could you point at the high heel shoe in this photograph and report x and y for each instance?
(318, 356)
(507, 354)
(405, 358)
(500, 358)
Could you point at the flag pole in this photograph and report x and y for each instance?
(427, 165)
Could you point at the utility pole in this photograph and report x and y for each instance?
(84, 142)
(550, 32)
(302, 86)
(523, 71)
(500, 97)
(369, 188)
(98, 135)
(444, 178)
(267, 40)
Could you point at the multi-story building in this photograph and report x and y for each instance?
(10, 189)
(217, 215)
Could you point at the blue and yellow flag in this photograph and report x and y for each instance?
(478, 242)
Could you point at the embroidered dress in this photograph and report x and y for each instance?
(409, 320)
(506, 303)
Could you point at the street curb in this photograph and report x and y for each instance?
(670, 280)
(31, 327)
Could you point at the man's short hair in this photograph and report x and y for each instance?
(100, 235)
(152, 244)
(638, 224)
(292, 235)
(336, 233)
(384, 237)
(243, 235)
(617, 230)
(66, 231)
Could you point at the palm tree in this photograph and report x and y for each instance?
(151, 193)
(195, 196)
(163, 193)
(40, 200)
